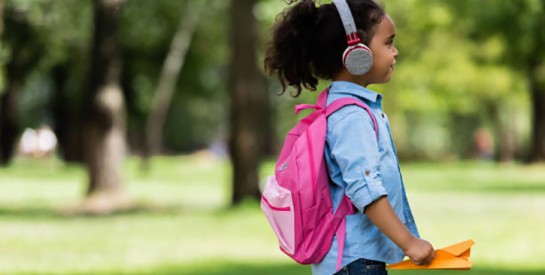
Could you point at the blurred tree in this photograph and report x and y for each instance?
(50, 87)
(1, 19)
(441, 94)
(66, 66)
(104, 110)
(248, 102)
(196, 117)
(172, 65)
(146, 29)
(24, 53)
(67, 119)
(519, 25)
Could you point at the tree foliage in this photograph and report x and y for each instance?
(517, 30)
(442, 93)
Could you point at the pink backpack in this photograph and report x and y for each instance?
(297, 200)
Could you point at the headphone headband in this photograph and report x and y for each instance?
(348, 22)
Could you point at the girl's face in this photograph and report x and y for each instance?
(384, 52)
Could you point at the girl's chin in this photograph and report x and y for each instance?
(389, 75)
(384, 79)
(387, 78)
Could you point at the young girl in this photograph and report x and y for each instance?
(310, 42)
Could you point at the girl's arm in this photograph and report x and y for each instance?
(381, 213)
(356, 152)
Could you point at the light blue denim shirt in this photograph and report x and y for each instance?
(364, 168)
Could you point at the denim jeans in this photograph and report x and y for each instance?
(363, 267)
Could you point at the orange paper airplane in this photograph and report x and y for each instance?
(455, 256)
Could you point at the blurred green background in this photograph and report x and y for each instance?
(135, 134)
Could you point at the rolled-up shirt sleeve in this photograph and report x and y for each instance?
(353, 144)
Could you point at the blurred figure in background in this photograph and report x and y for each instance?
(484, 144)
(38, 143)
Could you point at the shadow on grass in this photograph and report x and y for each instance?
(27, 212)
(226, 268)
(49, 212)
(488, 187)
(215, 268)
(138, 208)
(520, 188)
(238, 268)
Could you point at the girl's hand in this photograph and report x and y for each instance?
(420, 252)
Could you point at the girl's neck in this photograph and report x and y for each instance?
(344, 75)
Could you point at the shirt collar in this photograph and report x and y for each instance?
(345, 87)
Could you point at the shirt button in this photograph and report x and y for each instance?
(367, 172)
(382, 115)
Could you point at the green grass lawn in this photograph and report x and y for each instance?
(183, 224)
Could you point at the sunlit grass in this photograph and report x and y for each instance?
(479, 177)
(183, 224)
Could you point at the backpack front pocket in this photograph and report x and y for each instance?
(277, 204)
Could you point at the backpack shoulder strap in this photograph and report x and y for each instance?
(340, 103)
(346, 205)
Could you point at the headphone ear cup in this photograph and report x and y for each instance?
(358, 59)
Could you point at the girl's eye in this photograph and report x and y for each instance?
(390, 40)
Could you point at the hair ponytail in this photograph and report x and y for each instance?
(289, 54)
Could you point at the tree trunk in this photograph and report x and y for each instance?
(9, 129)
(537, 98)
(1, 19)
(169, 76)
(104, 117)
(504, 132)
(21, 60)
(248, 98)
(66, 121)
(8, 111)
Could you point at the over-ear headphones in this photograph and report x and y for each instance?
(357, 58)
